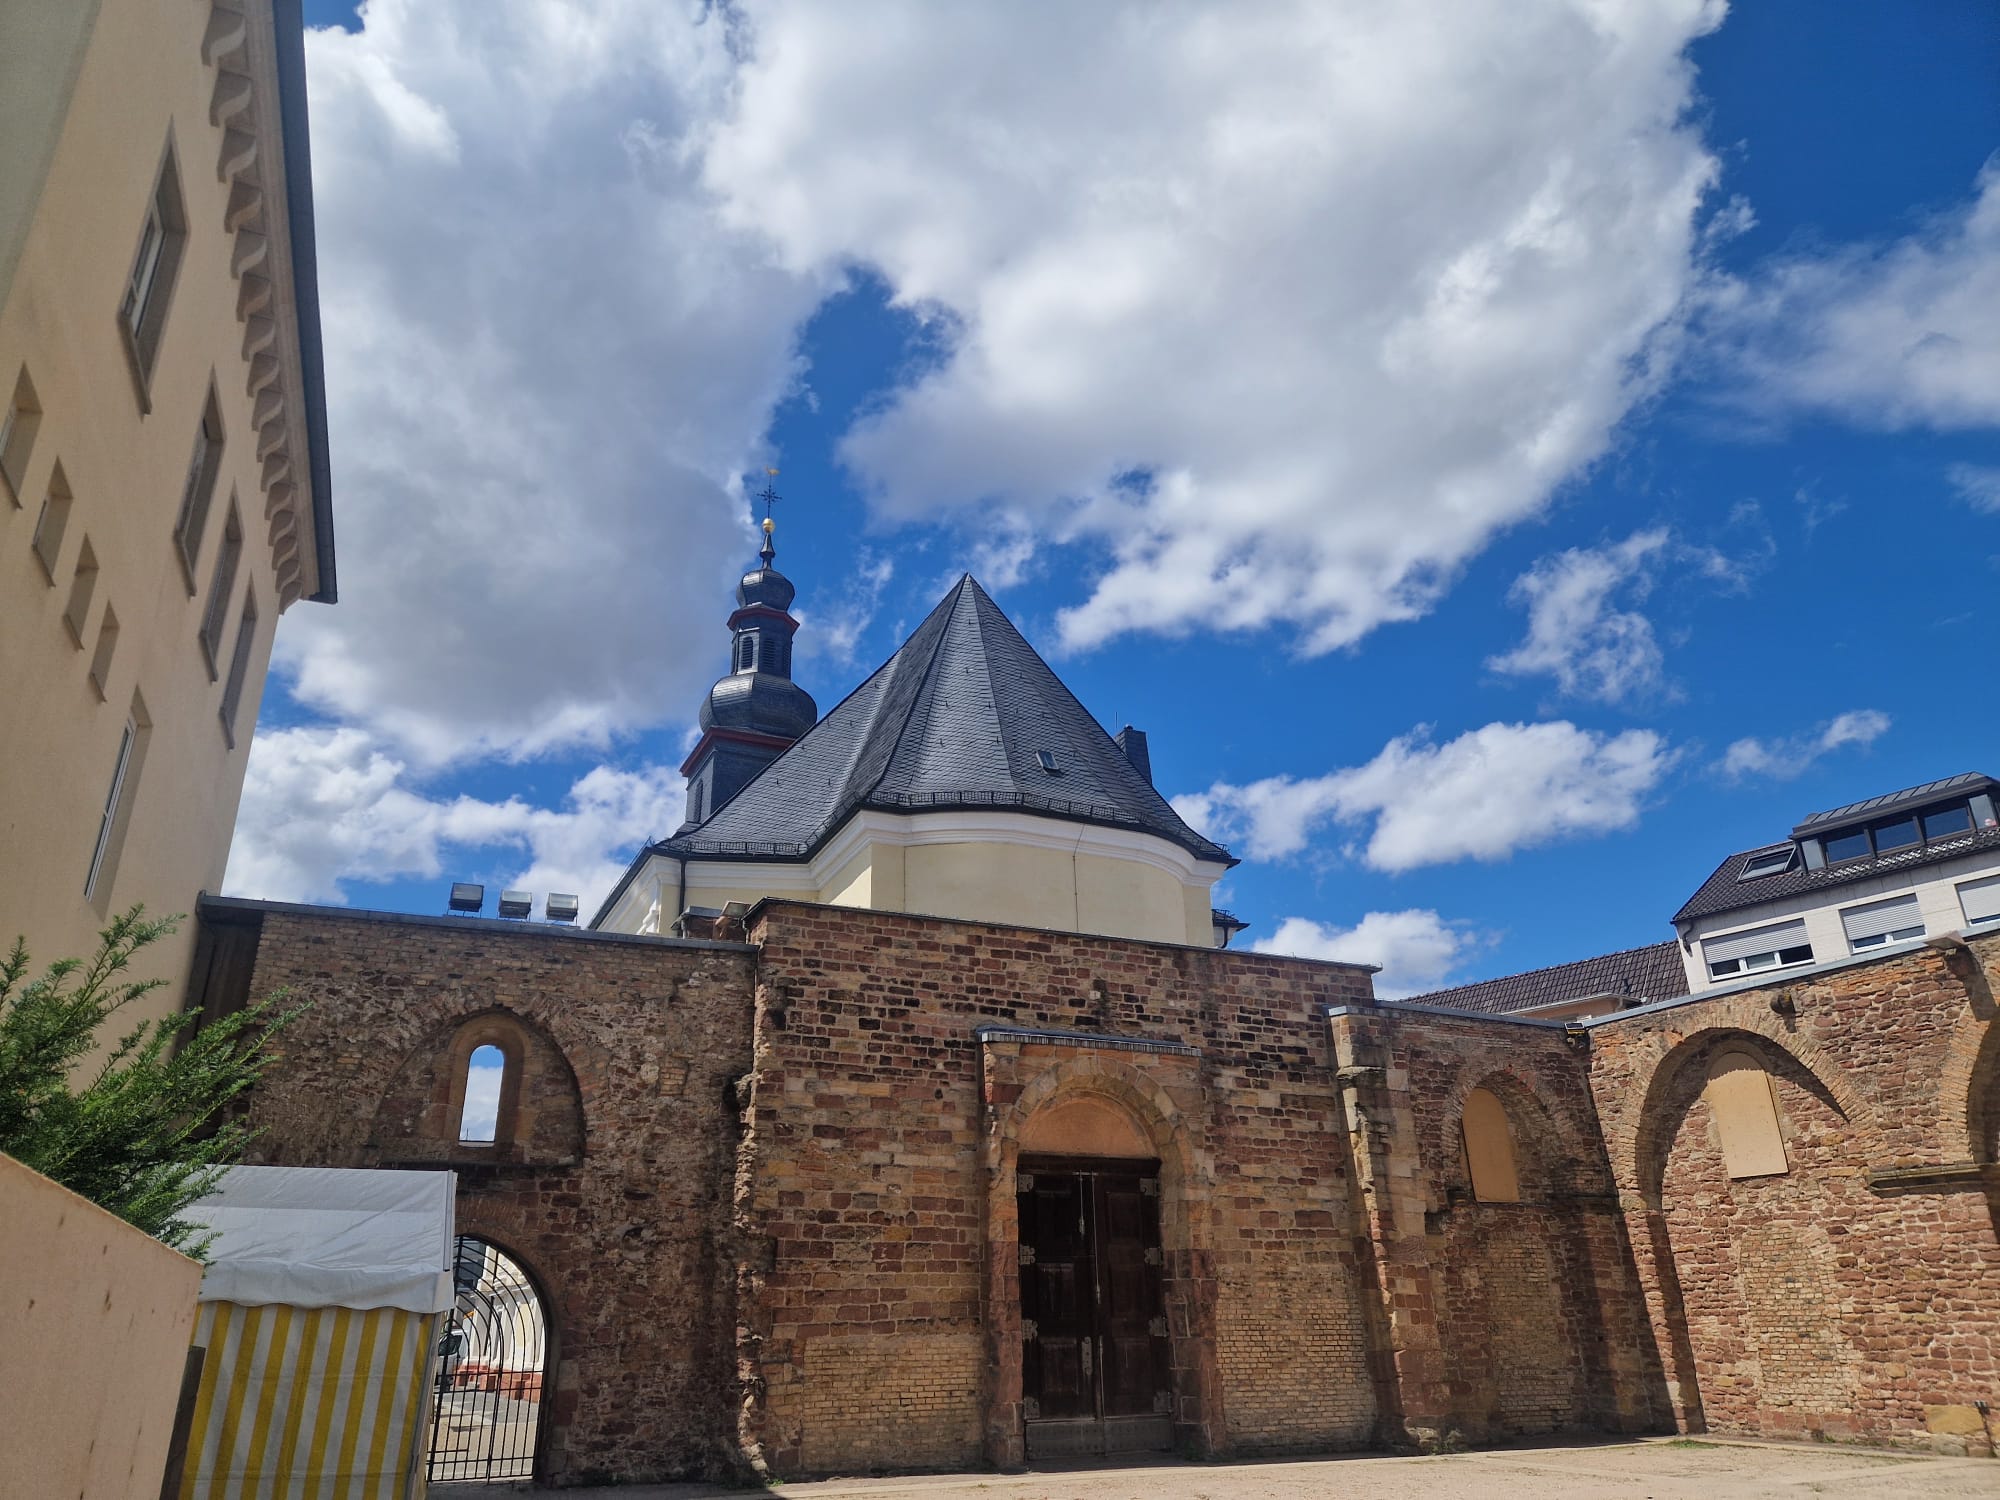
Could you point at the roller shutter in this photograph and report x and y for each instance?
(1880, 917)
(1756, 940)
(1981, 899)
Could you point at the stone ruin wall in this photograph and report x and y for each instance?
(823, 1281)
(1855, 1296)
(615, 1195)
(880, 1169)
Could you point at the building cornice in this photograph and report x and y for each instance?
(256, 52)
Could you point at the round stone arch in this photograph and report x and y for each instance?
(541, 1118)
(1969, 1091)
(1561, 1156)
(1186, 1188)
(1639, 1145)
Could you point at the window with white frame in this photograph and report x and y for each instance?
(114, 802)
(1880, 923)
(218, 597)
(239, 666)
(1980, 900)
(1776, 946)
(142, 311)
(199, 488)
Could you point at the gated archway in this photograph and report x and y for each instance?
(492, 1354)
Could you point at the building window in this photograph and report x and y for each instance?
(1771, 947)
(82, 588)
(1881, 923)
(100, 659)
(18, 425)
(1739, 1096)
(479, 1115)
(1980, 900)
(52, 523)
(1489, 1149)
(1770, 862)
(117, 813)
(239, 665)
(142, 312)
(1903, 832)
(199, 489)
(216, 614)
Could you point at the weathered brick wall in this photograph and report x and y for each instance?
(1504, 1319)
(1856, 1295)
(628, 1240)
(878, 1168)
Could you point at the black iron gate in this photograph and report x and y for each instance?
(489, 1383)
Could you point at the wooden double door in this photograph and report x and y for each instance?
(1095, 1371)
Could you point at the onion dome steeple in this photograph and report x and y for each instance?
(754, 713)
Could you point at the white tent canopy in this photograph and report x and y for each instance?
(330, 1237)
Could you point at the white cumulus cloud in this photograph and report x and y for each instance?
(1480, 796)
(1897, 335)
(1575, 635)
(548, 359)
(1416, 949)
(1791, 755)
(322, 807)
(1285, 308)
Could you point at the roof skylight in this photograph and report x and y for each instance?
(1768, 862)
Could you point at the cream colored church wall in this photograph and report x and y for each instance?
(142, 79)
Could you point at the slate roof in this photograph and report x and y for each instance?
(1725, 891)
(1650, 973)
(955, 719)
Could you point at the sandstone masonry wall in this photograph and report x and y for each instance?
(1857, 1294)
(616, 1195)
(879, 1161)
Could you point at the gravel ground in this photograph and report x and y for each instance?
(1658, 1469)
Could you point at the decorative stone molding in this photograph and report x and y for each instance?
(243, 107)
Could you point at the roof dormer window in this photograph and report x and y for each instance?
(1769, 862)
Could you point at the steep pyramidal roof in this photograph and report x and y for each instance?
(960, 717)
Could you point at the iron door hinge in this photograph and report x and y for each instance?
(1163, 1402)
(1031, 1409)
(1027, 1255)
(1028, 1330)
(1149, 1187)
(1157, 1328)
(1154, 1255)
(1024, 1182)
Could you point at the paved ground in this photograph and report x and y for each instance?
(1656, 1469)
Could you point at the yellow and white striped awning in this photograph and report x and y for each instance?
(309, 1403)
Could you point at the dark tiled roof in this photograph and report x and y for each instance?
(1962, 785)
(1649, 973)
(957, 718)
(1725, 890)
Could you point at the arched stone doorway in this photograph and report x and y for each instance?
(1099, 1330)
(493, 1356)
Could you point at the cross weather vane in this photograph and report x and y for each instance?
(769, 495)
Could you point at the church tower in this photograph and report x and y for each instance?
(755, 713)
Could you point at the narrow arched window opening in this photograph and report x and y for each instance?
(479, 1116)
(1489, 1149)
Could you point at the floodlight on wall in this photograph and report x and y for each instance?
(560, 907)
(516, 903)
(466, 897)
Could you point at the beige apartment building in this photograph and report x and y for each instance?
(163, 461)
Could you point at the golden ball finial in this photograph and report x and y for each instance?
(769, 526)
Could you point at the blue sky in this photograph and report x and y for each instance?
(1503, 474)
